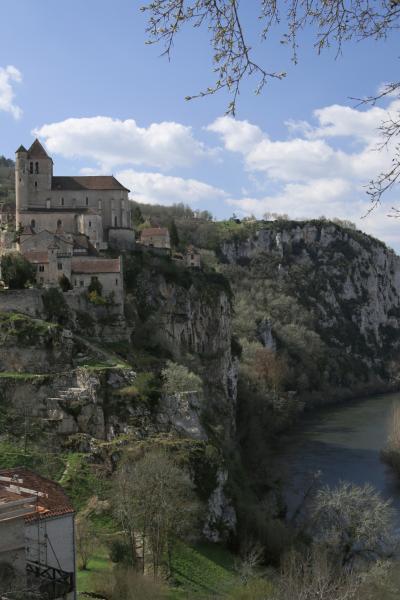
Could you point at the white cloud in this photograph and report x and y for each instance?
(303, 201)
(112, 142)
(155, 188)
(238, 136)
(8, 76)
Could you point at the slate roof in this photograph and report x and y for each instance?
(37, 150)
(52, 500)
(21, 149)
(90, 182)
(95, 265)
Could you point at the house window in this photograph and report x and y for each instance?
(87, 201)
(31, 168)
(41, 268)
(33, 223)
(36, 167)
(62, 201)
(59, 266)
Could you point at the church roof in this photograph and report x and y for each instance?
(93, 182)
(37, 150)
(21, 149)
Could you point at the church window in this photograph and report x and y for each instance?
(90, 223)
(48, 203)
(59, 266)
(36, 167)
(62, 201)
(81, 283)
(116, 282)
(35, 184)
(59, 223)
(31, 168)
(41, 268)
(33, 223)
(87, 201)
(115, 221)
(99, 204)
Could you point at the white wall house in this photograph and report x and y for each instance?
(37, 541)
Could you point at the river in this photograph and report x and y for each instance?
(343, 442)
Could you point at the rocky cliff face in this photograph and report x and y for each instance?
(348, 282)
(189, 319)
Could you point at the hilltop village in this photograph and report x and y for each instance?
(67, 227)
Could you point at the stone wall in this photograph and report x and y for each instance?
(28, 302)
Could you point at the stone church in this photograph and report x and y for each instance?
(95, 206)
(63, 224)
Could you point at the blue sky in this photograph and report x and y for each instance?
(80, 75)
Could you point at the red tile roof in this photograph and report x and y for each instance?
(95, 265)
(94, 182)
(154, 231)
(37, 256)
(52, 500)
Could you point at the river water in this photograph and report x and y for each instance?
(343, 442)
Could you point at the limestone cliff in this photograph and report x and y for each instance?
(347, 289)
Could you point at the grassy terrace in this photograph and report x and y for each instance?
(22, 376)
(200, 572)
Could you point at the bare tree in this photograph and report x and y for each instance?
(156, 504)
(85, 540)
(352, 522)
(311, 575)
(333, 23)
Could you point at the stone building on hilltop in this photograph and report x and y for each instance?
(96, 206)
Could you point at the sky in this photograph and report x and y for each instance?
(80, 76)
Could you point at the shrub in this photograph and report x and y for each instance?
(65, 283)
(16, 271)
(55, 305)
(95, 286)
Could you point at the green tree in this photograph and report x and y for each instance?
(65, 283)
(137, 217)
(173, 234)
(16, 271)
(178, 379)
(55, 305)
